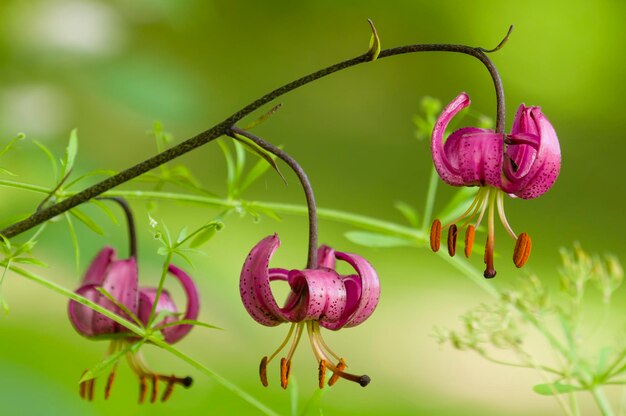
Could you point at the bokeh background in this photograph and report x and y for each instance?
(111, 68)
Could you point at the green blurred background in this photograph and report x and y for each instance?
(111, 68)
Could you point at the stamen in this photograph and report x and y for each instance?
(263, 371)
(435, 236)
(469, 240)
(285, 367)
(107, 389)
(143, 388)
(522, 250)
(500, 203)
(341, 365)
(155, 388)
(452, 234)
(168, 390)
(322, 373)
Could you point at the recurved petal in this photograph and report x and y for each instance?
(326, 257)
(98, 268)
(121, 282)
(321, 296)
(540, 163)
(363, 290)
(254, 284)
(147, 296)
(85, 320)
(444, 167)
(177, 332)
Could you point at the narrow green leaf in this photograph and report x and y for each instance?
(7, 172)
(206, 233)
(70, 226)
(259, 168)
(104, 172)
(375, 45)
(263, 117)
(370, 239)
(163, 251)
(51, 158)
(30, 260)
(188, 322)
(408, 212)
(550, 389)
(258, 150)
(84, 218)
(184, 257)
(117, 303)
(458, 204)
(105, 208)
(240, 161)
(109, 361)
(230, 168)
(70, 153)
(11, 143)
(182, 235)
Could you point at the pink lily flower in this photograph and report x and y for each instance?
(319, 297)
(522, 164)
(120, 279)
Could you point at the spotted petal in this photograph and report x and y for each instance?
(120, 281)
(362, 291)
(533, 159)
(476, 154)
(254, 284)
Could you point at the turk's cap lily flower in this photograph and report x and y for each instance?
(318, 297)
(119, 278)
(522, 164)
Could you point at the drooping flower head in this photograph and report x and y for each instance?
(318, 297)
(524, 163)
(113, 284)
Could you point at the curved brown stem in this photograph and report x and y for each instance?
(306, 185)
(224, 127)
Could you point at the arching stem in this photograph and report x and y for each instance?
(224, 127)
(130, 223)
(306, 186)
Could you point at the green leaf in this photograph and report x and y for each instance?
(163, 251)
(408, 212)
(117, 303)
(230, 168)
(70, 153)
(258, 150)
(30, 260)
(263, 117)
(84, 218)
(51, 158)
(70, 226)
(550, 389)
(105, 208)
(458, 204)
(105, 172)
(188, 322)
(375, 46)
(11, 143)
(7, 172)
(182, 235)
(240, 161)
(370, 239)
(109, 361)
(259, 168)
(206, 232)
